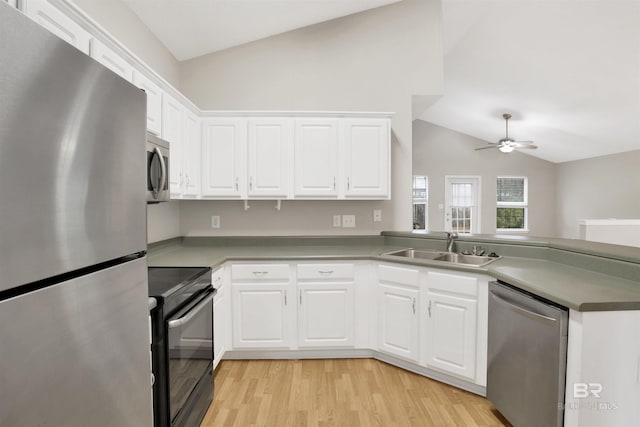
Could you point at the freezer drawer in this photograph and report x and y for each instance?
(527, 354)
(77, 353)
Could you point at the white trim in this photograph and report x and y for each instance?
(609, 221)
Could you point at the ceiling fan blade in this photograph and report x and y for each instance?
(524, 142)
(531, 147)
(490, 146)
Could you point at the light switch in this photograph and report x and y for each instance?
(377, 215)
(215, 221)
(337, 222)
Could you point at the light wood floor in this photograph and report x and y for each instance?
(338, 392)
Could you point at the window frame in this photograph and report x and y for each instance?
(524, 204)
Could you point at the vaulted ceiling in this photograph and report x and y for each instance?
(567, 70)
(190, 28)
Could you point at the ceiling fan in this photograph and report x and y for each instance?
(506, 144)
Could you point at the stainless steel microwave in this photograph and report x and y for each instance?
(157, 169)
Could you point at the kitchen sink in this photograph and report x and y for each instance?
(450, 257)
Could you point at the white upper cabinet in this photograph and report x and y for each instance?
(191, 157)
(224, 157)
(366, 156)
(154, 102)
(268, 154)
(107, 57)
(172, 122)
(316, 157)
(47, 15)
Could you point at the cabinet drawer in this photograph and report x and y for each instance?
(452, 283)
(325, 271)
(400, 275)
(217, 278)
(260, 271)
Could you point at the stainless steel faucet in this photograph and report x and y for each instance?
(451, 237)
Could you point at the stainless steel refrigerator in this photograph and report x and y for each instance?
(74, 337)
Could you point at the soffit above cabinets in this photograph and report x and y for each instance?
(197, 27)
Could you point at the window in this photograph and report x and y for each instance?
(420, 199)
(462, 204)
(511, 214)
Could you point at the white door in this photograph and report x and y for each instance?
(223, 157)
(325, 314)
(462, 204)
(268, 153)
(451, 333)
(172, 122)
(154, 102)
(316, 157)
(47, 15)
(367, 145)
(191, 157)
(107, 57)
(261, 315)
(398, 321)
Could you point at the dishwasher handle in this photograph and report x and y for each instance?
(521, 310)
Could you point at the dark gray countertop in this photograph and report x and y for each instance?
(568, 285)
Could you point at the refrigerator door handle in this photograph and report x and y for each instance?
(191, 313)
(518, 309)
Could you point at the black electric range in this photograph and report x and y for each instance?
(182, 344)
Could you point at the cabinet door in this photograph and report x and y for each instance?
(47, 15)
(325, 314)
(261, 315)
(451, 333)
(367, 145)
(154, 102)
(316, 157)
(398, 321)
(268, 155)
(191, 157)
(107, 57)
(172, 120)
(223, 157)
(219, 339)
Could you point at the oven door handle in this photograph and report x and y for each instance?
(191, 313)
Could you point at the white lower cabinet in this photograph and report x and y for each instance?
(398, 321)
(263, 306)
(220, 316)
(434, 318)
(454, 337)
(326, 305)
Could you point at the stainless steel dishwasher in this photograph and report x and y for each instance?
(527, 357)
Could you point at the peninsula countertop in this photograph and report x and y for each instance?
(577, 288)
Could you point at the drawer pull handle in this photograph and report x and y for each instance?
(325, 272)
(260, 273)
(414, 306)
(429, 309)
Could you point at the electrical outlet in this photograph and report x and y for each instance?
(348, 221)
(377, 215)
(215, 221)
(337, 221)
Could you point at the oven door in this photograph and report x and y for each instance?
(190, 353)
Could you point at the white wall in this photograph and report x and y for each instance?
(597, 188)
(129, 30)
(371, 61)
(163, 221)
(439, 151)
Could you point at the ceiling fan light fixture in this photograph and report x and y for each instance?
(506, 148)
